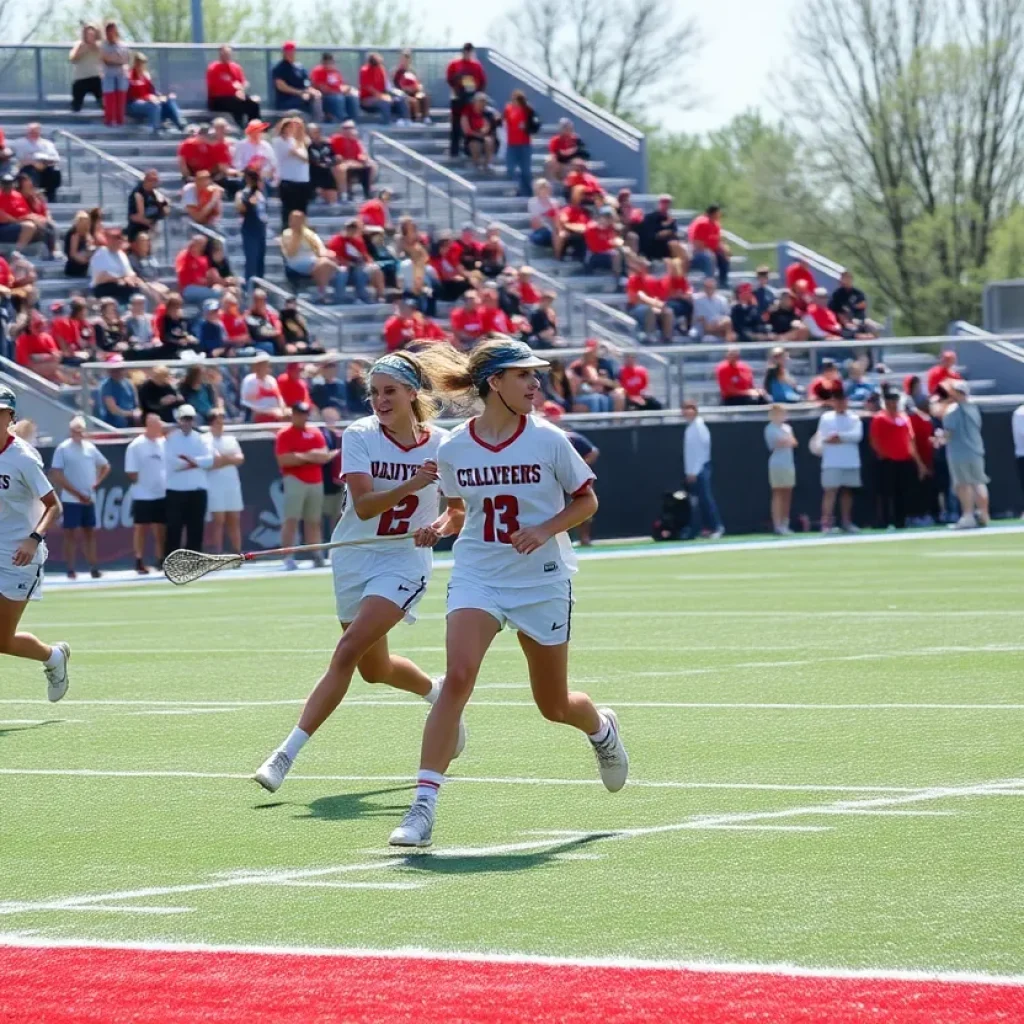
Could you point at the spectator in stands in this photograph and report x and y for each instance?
(292, 88)
(196, 153)
(646, 304)
(139, 325)
(110, 273)
(35, 348)
(210, 331)
(838, 440)
(736, 381)
(376, 95)
(159, 395)
(675, 287)
(264, 324)
(781, 442)
(377, 212)
(823, 387)
(218, 257)
(357, 387)
(6, 155)
(565, 146)
(78, 333)
(496, 321)
(521, 124)
(39, 212)
(544, 331)
(326, 391)
(222, 150)
(292, 385)
(943, 370)
(580, 177)
(118, 399)
(355, 163)
(198, 392)
(17, 225)
(400, 329)
(560, 387)
(146, 268)
(597, 386)
(711, 314)
(40, 158)
(493, 256)
(892, 440)
(965, 453)
(86, 68)
(407, 82)
(203, 200)
(779, 383)
(115, 56)
(543, 209)
(466, 77)
(418, 280)
(21, 280)
(850, 306)
(145, 103)
(914, 388)
(763, 292)
(480, 132)
(227, 90)
(467, 321)
(636, 383)
(573, 219)
(784, 321)
(798, 274)
(340, 101)
(147, 205)
(697, 469)
(292, 153)
(111, 331)
(236, 331)
(604, 246)
(709, 252)
(350, 253)
(251, 204)
(301, 454)
(470, 244)
(447, 263)
(261, 394)
(78, 246)
(173, 328)
(255, 153)
(323, 180)
(196, 278)
(305, 255)
(631, 217)
(858, 388)
(747, 322)
(409, 236)
(658, 233)
(820, 321)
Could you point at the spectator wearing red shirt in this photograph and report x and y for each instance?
(16, 223)
(820, 320)
(236, 331)
(377, 212)
(580, 177)
(924, 510)
(194, 272)
(736, 381)
(197, 153)
(564, 147)
(944, 369)
(227, 90)
(496, 321)
(645, 302)
(36, 350)
(294, 390)
(407, 82)
(709, 251)
(203, 200)
(401, 328)
(67, 332)
(145, 103)
(350, 253)
(480, 131)
(528, 292)
(678, 294)
(822, 388)
(355, 163)
(466, 77)
(636, 383)
(521, 124)
(340, 101)
(38, 211)
(604, 245)
(573, 219)
(375, 95)
(799, 271)
(447, 263)
(468, 321)
(892, 440)
(301, 454)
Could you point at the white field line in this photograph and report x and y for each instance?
(31, 940)
(99, 908)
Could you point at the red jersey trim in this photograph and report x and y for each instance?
(504, 444)
(588, 486)
(398, 444)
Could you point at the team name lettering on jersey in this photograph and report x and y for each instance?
(400, 471)
(5, 482)
(502, 476)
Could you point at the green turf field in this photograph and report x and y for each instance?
(874, 816)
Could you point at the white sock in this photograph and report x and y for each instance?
(297, 739)
(435, 692)
(55, 658)
(602, 734)
(428, 785)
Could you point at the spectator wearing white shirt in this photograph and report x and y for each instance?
(697, 468)
(78, 468)
(711, 319)
(1017, 424)
(146, 469)
(110, 273)
(40, 157)
(187, 455)
(255, 153)
(224, 487)
(260, 393)
(837, 440)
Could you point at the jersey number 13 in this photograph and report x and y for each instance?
(501, 518)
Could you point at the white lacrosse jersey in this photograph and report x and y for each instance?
(22, 484)
(367, 447)
(521, 482)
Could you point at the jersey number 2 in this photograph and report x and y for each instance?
(501, 518)
(395, 521)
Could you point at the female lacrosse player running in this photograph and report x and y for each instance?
(390, 469)
(28, 508)
(513, 563)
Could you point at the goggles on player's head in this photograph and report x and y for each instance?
(514, 355)
(400, 369)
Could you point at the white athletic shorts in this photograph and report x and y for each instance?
(350, 589)
(20, 583)
(543, 613)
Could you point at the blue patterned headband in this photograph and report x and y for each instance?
(511, 356)
(399, 369)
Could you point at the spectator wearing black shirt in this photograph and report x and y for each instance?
(763, 292)
(334, 490)
(746, 317)
(292, 88)
(147, 205)
(544, 324)
(784, 320)
(326, 391)
(659, 233)
(158, 395)
(850, 306)
(357, 391)
(321, 165)
(111, 332)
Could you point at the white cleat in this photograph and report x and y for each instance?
(612, 759)
(271, 773)
(417, 827)
(57, 680)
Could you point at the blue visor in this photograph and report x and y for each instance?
(514, 355)
(399, 369)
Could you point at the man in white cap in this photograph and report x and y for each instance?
(965, 454)
(187, 455)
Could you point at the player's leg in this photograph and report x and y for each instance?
(828, 505)
(54, 658)
(70, 547)
(379, 665)
(846, 507)
(89, 547)
(159, 541)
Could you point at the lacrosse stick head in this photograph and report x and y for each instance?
(185, 566)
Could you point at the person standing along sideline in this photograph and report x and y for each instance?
(839, 435)
(899, 464)
(965, 450)
(1017, 424)
(301, 453)
(334, 481)
(697, 468)
(188, 455)
(78, 468)
(29, 506)
(224, 487)
(778, 436)
(146, 469)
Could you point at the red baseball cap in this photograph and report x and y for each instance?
(590, 344)
(288, 46)
(744, 287)
(553, 410)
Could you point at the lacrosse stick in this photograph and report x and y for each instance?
(185, 566)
